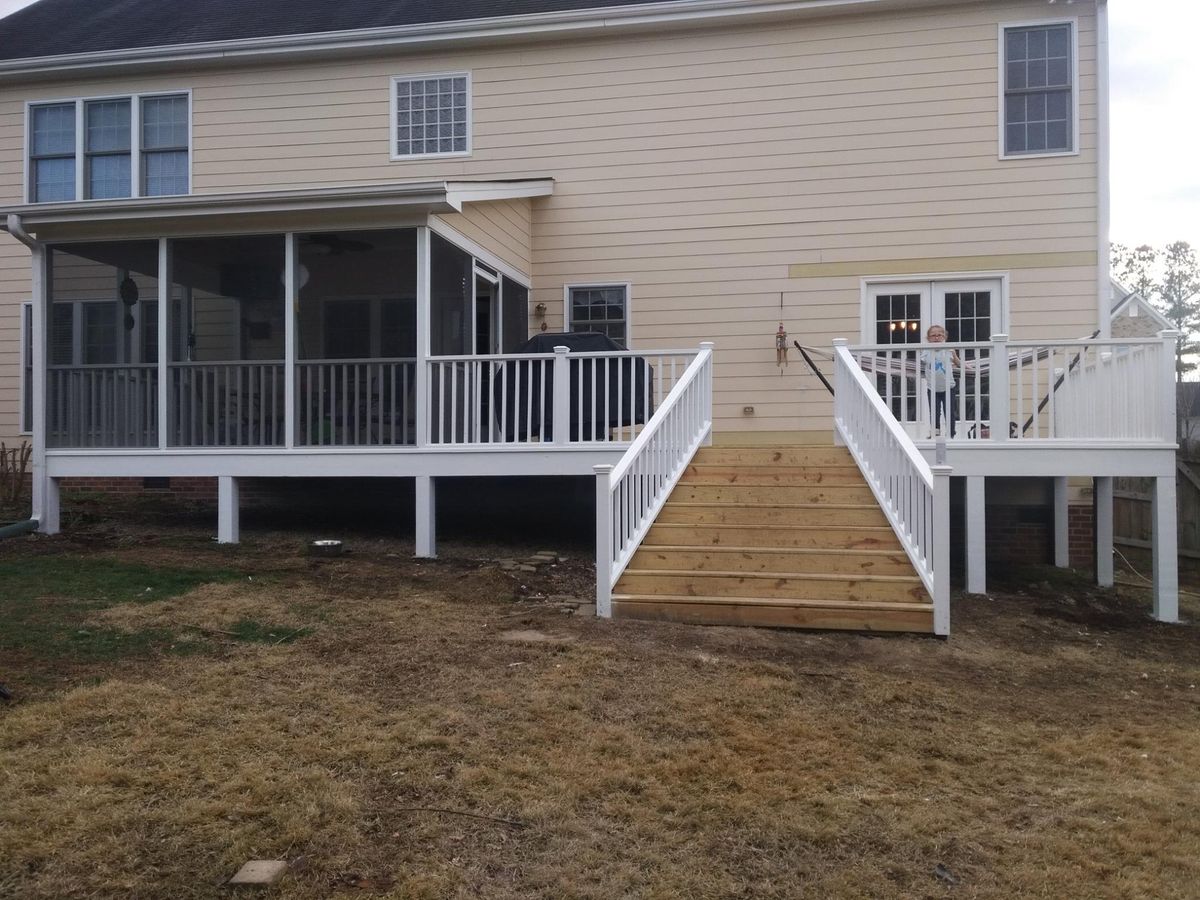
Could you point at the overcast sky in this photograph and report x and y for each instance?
(1155, 119)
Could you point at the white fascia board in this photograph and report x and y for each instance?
(460, 192)
(426, 196)
(681, 12)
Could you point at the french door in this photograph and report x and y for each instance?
(900, 314)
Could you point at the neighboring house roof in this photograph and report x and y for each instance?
(1130, 303)
(59, 27)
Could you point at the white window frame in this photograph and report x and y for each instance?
(25, 427)
(392, 123)
(616, 282)
(926, 284)
(1003, 81)
(135, 144)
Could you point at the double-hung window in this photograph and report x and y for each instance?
(107, 148)
(599, 307)
(431, 115)
(1040, 93)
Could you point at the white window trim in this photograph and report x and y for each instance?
(135, 143)
(925, 282)
(392, 124)
(1076, 82)
(24, 427)
(616, 282)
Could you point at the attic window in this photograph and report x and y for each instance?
(109, 148)
(431, 115)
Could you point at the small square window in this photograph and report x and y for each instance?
(432, 115)
(602, 308)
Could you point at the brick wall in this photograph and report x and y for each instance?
(1081, 537)
(192, 490)
(1020, 534)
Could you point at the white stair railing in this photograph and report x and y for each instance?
(630, 494)
(913, 495)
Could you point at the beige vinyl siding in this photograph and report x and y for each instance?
(501, 227)
(700, 166)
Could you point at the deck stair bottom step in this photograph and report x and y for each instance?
(774, 536)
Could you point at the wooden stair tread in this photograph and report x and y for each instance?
(848, 605)
(881, 529)
(776, 576)
(804, 551)
(760, 505)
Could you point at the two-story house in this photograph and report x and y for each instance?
(276, 240)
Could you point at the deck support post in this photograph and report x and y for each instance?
(1166, 560)
(976, 535)
(1062, 524)
(46, 503)
(1104, 531)
(228, 513)
(426, 521)
(604, 541)
(941, 550)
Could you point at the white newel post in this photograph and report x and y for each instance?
(1168, 376)
(604, 541)
(708, 389)
(1166, 561)
(976, 535)
(562, 396)
(165, 321)
(1062, 529)
(839, 390)
(999, 388)
(228, 528)
(1104, 531)
(941, 550)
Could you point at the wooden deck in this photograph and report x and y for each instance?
(774, 536)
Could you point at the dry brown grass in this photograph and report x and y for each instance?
(1048, 750)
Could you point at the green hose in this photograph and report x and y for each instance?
(16, 528)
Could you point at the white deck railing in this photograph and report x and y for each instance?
(1085, 390)
(356, 402)
(630, 494)
(913, 495)
(102, 406)
(225, 404)
(548, 398)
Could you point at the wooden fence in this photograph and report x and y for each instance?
(1133, 522)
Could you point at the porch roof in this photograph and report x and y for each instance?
(346, 205)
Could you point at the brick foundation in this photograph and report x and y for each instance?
(1020, 534)
(191, 490)
(1081, 537)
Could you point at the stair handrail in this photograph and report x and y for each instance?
(914, 496)
(630, 494)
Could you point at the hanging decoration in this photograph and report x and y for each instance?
(781, 344)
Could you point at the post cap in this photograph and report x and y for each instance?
(841, 342)
(999, 338)
(562, 349)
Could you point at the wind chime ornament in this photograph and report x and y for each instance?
(781, 348)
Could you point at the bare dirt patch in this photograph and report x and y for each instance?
(407, 746)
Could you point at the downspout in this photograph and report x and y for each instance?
(38, 249)
(1103, 193)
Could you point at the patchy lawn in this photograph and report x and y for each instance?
(444, 729)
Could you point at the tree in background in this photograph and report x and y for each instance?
(1170, 279)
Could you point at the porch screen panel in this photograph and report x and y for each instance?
(357, 336)
(515, 315)
(226, 372)
(101, 387)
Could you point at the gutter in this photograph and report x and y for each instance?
(403, 36)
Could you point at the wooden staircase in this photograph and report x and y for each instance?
(775, 536)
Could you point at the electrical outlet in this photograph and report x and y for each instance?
(747, 410)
